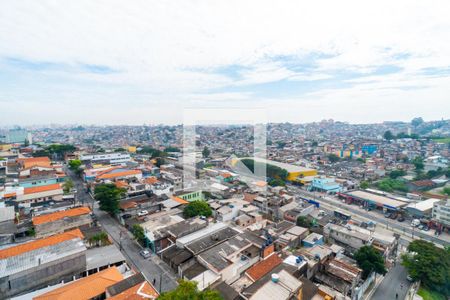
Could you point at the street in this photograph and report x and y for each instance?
(394, 282)
(404, 229)
(153, 268)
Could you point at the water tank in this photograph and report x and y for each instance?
(275, 278)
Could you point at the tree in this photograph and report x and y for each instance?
(446, 191)
(138, 233)
(370, 260)
(74, 164)
(364, 185)
(388, 135)
(172, 149)
(303, 221)
(281, 144)
(197, 208)
(418, 163)
(277, 182)
(159, 161)
(109, 197)
(397, 173)
(205, 152)
(188, 290)
(67, 186)
(390, 185)
(333, 158)
(429, 264)
(416, 121)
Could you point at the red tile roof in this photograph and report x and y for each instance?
(44, 188)
(143, 290)
(61, 214)
(85, 288)
(41, 243)
(263, 267)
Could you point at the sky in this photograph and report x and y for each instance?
(148, 62)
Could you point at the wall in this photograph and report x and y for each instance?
(61, 225)
(43, 275)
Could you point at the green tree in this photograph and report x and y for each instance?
(197, 208)
(364, 185)
(205, 152)
(429, 264)
(67, 186)
(109, 197)
(187, 290)
(303, 221)
(388, 135)
(418, 163)
(333, 158)
(271, 170)
(370, 260)
(159, 162)
(277, 182)
(446, 191)
(281, 144)
(390, 185)
(416, 121)
(74, 164)
(138, 233)
(172, 149)
(397, 173)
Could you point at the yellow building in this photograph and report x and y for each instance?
(132, 149)
(295, 173)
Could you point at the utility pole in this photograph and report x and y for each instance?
(160, 283)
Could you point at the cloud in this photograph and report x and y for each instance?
(154, 54)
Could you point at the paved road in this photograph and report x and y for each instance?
(401, 228)
(152, 268)
(394, 282)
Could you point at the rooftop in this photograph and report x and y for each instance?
(85, 288)
(44, 188)
(41, 243)
(263, 267)
(78, 211)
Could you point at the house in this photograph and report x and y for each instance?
(58, 222)
(91, 287)
(292, 237)
(350, 237)
(232, 257)
(39, 194)
(118, 173)
(282, 286)
(312, 240)
(134, 287)
(41, 262)
(421, 185)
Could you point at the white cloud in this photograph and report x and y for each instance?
(166, 53)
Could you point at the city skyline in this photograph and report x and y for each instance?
(372, 63)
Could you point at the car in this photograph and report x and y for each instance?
(409, 278)
(421, 226)
(142, 213)
(393, 216)
(126, 216)
(425, 228)
(401, 219)
(387, 215)
(415, 223)
(145, 253)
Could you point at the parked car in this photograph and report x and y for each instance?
(145, 253)
(142, 213)
(126, 216)
(421, 226)
(425, 228)
(387, 215)
(401, 219)
(415, 223)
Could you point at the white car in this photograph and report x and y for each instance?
(142, 213)
(415, 223)
(145, 253)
